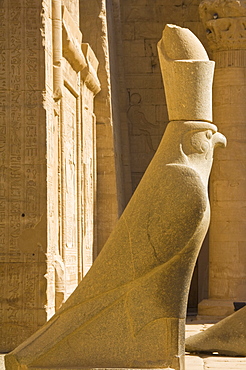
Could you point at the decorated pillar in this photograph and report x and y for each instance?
(48, 80)
(225, 23)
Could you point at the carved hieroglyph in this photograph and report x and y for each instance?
(22, 170)
(129, 311)
(46, 104)
(224, 21)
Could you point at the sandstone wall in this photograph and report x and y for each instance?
(95, 18)
(47, 162)
(23, 172)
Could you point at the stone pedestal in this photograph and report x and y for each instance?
(224, 22)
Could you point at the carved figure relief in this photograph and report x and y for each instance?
(139, 124)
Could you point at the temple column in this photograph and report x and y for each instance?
(225, 27)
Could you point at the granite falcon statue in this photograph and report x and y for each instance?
(129, 311)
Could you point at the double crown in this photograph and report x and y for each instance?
(187, 75)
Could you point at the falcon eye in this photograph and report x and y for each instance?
(209, 134)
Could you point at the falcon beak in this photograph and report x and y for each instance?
(219, 140)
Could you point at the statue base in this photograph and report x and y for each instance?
(216, 308)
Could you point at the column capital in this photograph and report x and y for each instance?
(225, 23)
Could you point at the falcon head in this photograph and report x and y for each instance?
(191, 143)
(198, 144)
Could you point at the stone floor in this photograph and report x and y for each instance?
(2, 367)
(196, 362)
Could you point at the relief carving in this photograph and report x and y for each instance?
(225, 23)
(139, 124)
